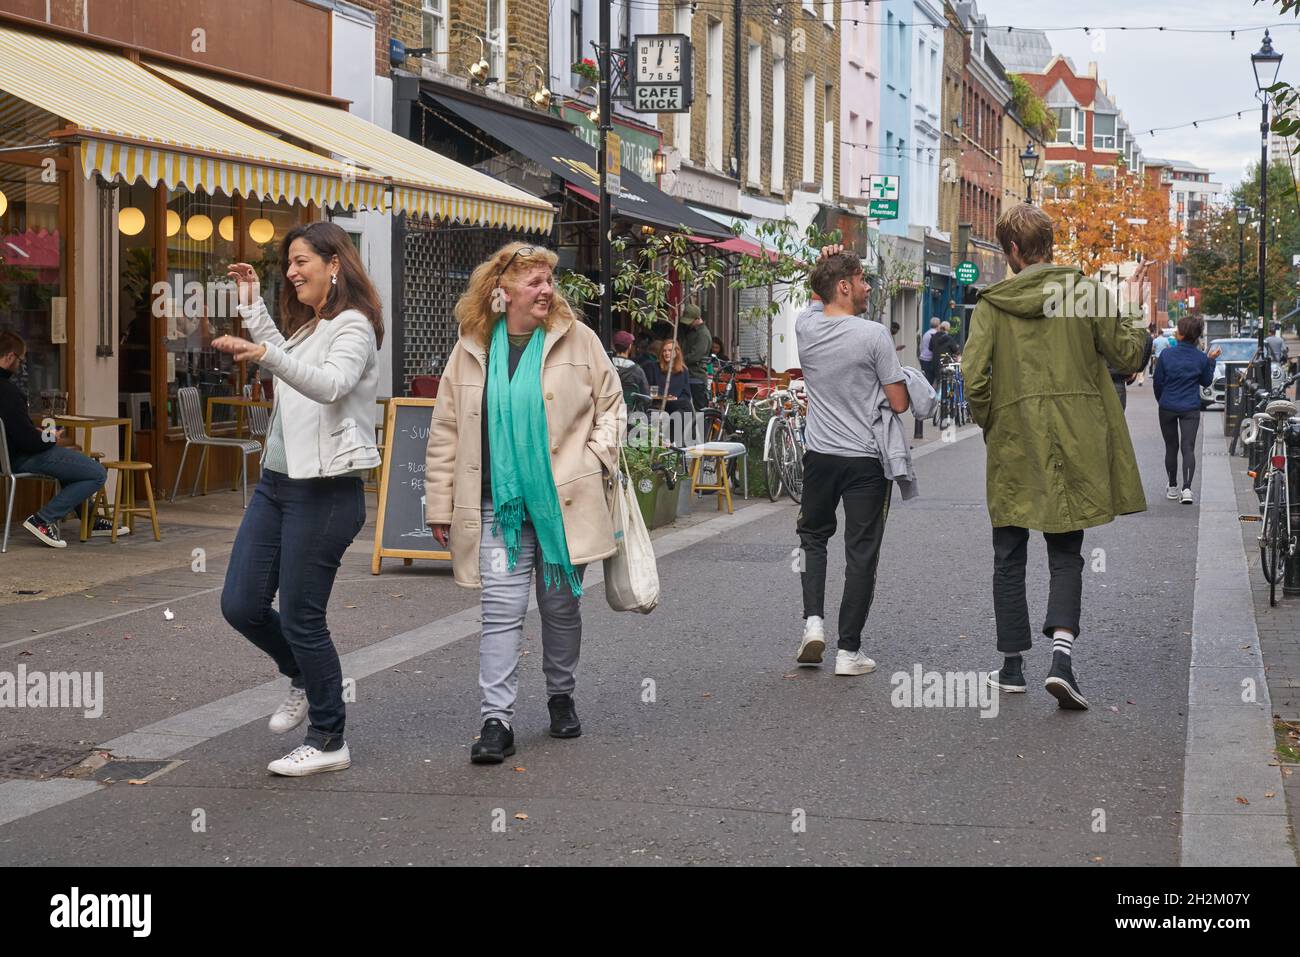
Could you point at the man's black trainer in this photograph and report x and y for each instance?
(564, 717)
(1060, 682)
(1010, 677)
(495, 743)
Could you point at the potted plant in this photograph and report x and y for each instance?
(658, 503)
(587, 69)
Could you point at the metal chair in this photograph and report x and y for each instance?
(7, 472)
(259, 419)
(195, 434)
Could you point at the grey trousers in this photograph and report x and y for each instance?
(504, 605)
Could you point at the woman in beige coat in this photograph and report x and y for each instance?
(524, 439)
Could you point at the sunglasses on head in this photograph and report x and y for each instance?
(524, 251)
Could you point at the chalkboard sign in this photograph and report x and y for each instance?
(400, 531)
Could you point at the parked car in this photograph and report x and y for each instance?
(1233, 350)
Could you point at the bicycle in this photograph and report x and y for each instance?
(1272, 480)
(783, 446)
(951, 409)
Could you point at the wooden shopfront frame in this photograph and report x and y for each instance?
(164, 444)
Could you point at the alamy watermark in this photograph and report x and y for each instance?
(944, 689)
(53, 689)
(1081, 298)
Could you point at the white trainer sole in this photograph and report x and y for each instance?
(1011, 689)
(849, 671)
(811, 651)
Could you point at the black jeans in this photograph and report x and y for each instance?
(1179, 430)
(292, 540)
(700, 394)
(1064, 591)
(861, 484)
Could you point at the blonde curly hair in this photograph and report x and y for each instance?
(474, 308)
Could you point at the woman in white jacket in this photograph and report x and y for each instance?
(309, 504)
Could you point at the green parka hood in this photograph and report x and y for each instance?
(1032, 292)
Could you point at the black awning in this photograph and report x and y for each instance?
(575, 162)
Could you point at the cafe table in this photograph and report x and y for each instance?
(86, 425)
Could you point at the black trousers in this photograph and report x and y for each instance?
(1064, 591)
(861, 484)
(1179, 430)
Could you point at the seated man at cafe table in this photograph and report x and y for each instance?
(30, 450)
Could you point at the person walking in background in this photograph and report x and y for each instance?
(1181, 372)
(926, 355)
(524, 438)
(718, 351)
(1058, 457)
(696, 343)
(1122, 380)
(1276, 345)
(850, 368)
(309, 504)
(942, 344)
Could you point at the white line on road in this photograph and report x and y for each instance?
(1229, 731)
(166, 738)
(180, 732)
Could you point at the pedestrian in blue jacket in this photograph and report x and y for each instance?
(1181, 371)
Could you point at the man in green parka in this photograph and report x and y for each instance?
(1058, 449)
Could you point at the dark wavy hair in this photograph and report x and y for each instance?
(354, 290)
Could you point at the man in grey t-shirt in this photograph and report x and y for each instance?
(850, 368)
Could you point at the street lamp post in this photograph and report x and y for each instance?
(1028, 167)
(1266, 64)
(1243, 211)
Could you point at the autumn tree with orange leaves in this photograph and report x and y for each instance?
(1095, 226)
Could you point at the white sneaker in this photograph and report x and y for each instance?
(853, 663)
(1172, 494)
(1187, 496)
(291, 712)
(306, 759)
(814, 642)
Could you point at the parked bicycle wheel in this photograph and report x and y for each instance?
(791, 462)
(1272, 540)
(772, 473)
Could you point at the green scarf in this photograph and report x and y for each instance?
(522, 483)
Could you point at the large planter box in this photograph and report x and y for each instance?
(659, 505)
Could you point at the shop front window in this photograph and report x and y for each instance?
(32, 274)
(200, 301)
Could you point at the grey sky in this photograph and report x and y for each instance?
(1166, 79)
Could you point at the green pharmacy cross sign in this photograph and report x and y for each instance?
(967, 273)
(883, 197)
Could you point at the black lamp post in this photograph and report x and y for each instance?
(1028, 167)
(1243, 213)
(1266, 63)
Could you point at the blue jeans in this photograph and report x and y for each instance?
(292, 540)
(79, 475)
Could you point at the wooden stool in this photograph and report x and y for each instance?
(124, 502)
(96, 507)
(721, 482)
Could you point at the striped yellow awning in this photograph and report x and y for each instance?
(424, 182)
(136, 125)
